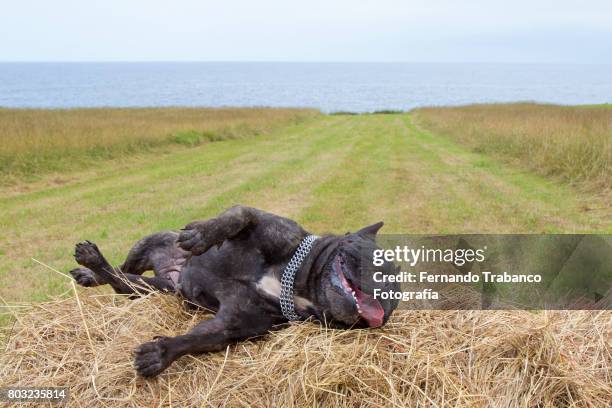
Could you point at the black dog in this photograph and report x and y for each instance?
(233, 264)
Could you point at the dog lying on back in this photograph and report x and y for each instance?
(233, 265)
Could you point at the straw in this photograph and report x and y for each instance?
(420, 358)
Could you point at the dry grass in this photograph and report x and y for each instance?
(39, 140)
(574, 143)
(431, 358)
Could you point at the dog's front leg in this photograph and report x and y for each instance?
(200, 236)
(210, 335)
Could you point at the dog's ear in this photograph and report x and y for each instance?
(370, 231)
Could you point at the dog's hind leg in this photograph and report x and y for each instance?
(158, 252)
(86, 277)
(88, 255)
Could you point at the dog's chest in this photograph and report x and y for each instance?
(269, 286)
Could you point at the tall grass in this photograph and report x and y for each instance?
(573, 143)
(34, 141)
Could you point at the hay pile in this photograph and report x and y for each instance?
(431, 358)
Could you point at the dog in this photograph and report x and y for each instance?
(255, 270)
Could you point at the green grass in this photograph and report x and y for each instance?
(387, 112)
(344, 113)
(570, 143)
(36, 142)
(331, 173)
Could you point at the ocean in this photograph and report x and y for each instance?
(358, 87)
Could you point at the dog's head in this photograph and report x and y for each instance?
(346, 286)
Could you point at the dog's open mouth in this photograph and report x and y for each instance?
(368, 308)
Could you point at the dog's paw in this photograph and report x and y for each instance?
(84, 277)
(197, 237)
(151, 358)
(87, 254)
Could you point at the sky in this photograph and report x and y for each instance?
(521, 31)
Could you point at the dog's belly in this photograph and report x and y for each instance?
(206, 280)
(192, 286)
(224, 273)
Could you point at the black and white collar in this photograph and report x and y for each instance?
(286, 294)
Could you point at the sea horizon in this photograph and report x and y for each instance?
(329, 86)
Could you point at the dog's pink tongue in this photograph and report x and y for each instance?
(371, 309)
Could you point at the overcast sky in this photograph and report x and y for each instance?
(311, 30)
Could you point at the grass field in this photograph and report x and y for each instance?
(331, 173)
(35, 142)
(571, 143)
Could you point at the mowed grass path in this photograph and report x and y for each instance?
(332, 174)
